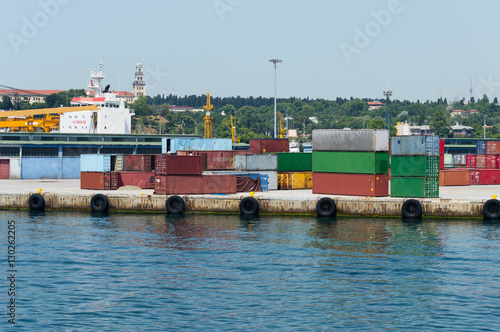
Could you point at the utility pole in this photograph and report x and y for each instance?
(387, 95)
(275, 61)
(159, 111)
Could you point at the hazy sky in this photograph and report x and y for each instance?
(417, 49)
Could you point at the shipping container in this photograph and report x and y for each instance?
(470, 161)
(256, 162)
(418, 187)
(441, 161)
(264, 145)
(178, 165)
(350, 162)
(294, 180)
(489, 176)
(294, 162)
(173, 145)
(493, 147)
(350, 184)
(99, 180)
(480, 161)
(138, 162)
(415, 145)
(448, 159)
(272, 176)
(374, 140)
(491, 161)
(143, 180)
(217, 160)
(195, 184)
(474, 176)
(441, 146)
(481, 147)
(415, 166)
(95, 163)
(455, 177)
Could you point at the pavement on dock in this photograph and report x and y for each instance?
(73, 187)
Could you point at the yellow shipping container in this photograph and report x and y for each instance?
(294, 180)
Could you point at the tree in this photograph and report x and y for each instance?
(440, 125)
(6, 103)
(140, 106)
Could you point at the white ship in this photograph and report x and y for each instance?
(111, 118)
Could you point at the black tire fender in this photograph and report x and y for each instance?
(491, 209)
(326, 207)
(99, 203)
(249, 206)
(411, 209)
(175, 205)
(36, 202)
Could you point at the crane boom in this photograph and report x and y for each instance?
(208, 118)
(56, 110)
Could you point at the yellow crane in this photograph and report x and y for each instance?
(208, 118)
(45, 118)
(282, 129)
(231, 125)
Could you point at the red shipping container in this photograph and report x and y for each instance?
(217, 160)
(474, 176)
(470, 161)
(480, 161)
(195, 184)
(138, 162)
(491, 161)
(350, 184)
(143, 180)
(498, 160)
(262, 145)
(178, 165)
(493, 147)
(99, 180)
(455, 177)
(441, 146)
(489, 176)
(441, 161)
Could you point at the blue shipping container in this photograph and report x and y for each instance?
(415, 145)
(481, 147)
(95, 163)
(195, 144)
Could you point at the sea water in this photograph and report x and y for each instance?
(152, 272)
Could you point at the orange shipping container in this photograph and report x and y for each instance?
(454, 177)
(350, 184)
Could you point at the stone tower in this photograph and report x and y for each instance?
(139, 84)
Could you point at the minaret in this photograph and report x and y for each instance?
(139, 84)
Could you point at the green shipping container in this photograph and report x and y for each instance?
(294, 162)
(350, 162)
(420, 187)
(415, 166)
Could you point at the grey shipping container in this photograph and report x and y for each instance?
(258, 162)
(95, 163)
(272, 176)
(419, 145)
(350, 140)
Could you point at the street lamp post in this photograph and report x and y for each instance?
(387, 95)
(275, 61)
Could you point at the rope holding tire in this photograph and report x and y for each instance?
(175, 205)
(326, 207)
(491, 209)
(411, 209)
(99, 203)
(36, 202)
(249, 206)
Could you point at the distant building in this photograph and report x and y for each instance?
(462, 131)
(139, 84)
(31, 96)
(421, 130)
(373, 105)
(463, 113)
(174, 108)
(403, 129)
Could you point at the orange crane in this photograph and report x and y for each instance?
(282, 129)
(208, 118)
(45, 118)
(231, 125)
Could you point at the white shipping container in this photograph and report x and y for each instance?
(350, 140)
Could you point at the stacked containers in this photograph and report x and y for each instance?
(294, 171)
(492, 151)
(137, 170)
(262, 164)
(415, 166)
(95, 172)
(350, 162)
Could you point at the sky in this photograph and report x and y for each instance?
(420, 50)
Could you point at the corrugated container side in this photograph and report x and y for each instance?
(138, 162)
(470, 161)
(418, 187)
(489, 176)
(448, 159)
(441, 161)
(474, 176)
(432, 145)
(143, 180)
(455, 177)
(201, 184)
(95, 163)
(351, 162)
(99, 180)
(350, 140)
(408, 146)
(492, 147)
(480, 161)
(294, 180)
(262, 162)
(441, 146)
(415, 166)
(200, 144)
(263, 145)
(350, 184)
(481, 147)
(178, 165)
(294, 162)
(240, 162)
(491, 161)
